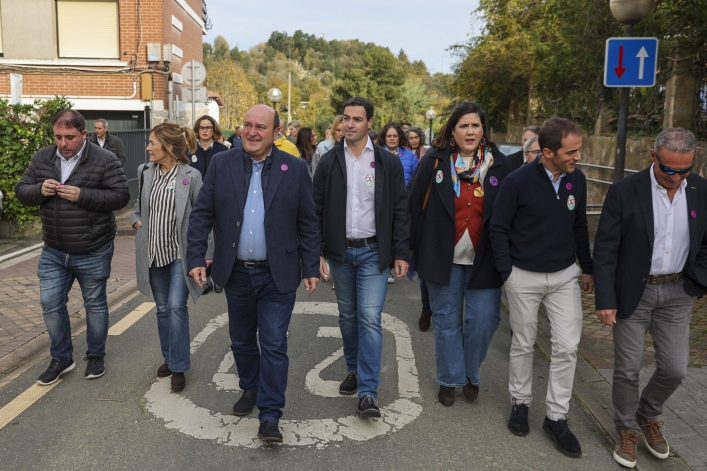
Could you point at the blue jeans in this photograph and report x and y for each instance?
(425, 295)
(255, 306)
(360, 293)
(171, 293)
(462, 337)
(56, 272)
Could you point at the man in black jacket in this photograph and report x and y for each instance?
(359, 192)
(109, 142)
(518, 158)
(77, 186)
(538, 232)
(650, 260)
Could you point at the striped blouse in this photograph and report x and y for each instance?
(164, 247)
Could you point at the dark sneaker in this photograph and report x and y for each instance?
(425, 321)
(205, 288)
(217, 288)
(245, 404)
(368, 407)
(470, 391)
(164, 371)
(178, 381)
(446, 395)
(95, 368)
(269, 432)
(518, 421)
(655, 441)
(350, 384)
(56, 369)
(565, 441)
(625, 451)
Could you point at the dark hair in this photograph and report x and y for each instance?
(554, 130)
(373, 135)
(217, 129)
(421, 134)
(402, 138)
(359, 101)
(405, 123)
(304, 143)
(70, 119)
(444, 135)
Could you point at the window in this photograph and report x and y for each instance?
(88, 28)
(1, 49)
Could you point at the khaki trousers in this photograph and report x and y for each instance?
(559, 292)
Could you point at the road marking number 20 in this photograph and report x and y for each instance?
(182, 414)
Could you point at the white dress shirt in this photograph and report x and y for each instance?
(67, 165)
(360, 192)
(101, 142)
(670, 228)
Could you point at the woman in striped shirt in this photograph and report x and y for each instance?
(167, 192)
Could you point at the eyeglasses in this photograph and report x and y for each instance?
(205, 128)
(671, 171)
(531, 152)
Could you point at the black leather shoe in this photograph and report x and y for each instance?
(518, 421)
(217, 288)
(425, 321)
(565, 441)
(350, 384)
(245, 404)
(470, 391)
(269, 432)
(446, 395)
(205, 288)
(368, 407)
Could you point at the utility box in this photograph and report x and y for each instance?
(167, 53)
(146, 87)
(154, 52)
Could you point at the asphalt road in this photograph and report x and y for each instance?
(130, 420)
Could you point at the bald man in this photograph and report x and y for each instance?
(258, 200)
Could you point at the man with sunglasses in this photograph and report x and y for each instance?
(650, 260)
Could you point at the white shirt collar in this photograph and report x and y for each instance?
(58, 152)
(369, 145)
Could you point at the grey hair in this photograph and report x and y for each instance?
(534, 129)
(529, 143)
(103, 122)
(296, 124)
(417, 130)
(678, 140)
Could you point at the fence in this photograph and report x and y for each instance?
(135, 143)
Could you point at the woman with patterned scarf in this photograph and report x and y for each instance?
(451, 201)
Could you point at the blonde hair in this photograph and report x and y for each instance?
(176, 140)
(338, 120)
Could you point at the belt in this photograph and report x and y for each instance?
(357, 243)
(657, 279)
(258, 264)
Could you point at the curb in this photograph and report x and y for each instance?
(41, 343)
(593, 393)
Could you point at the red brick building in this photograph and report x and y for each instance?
(95, 52)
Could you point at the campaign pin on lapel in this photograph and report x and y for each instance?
(185, 181)
(693, 213)
(568, 186)
(493, 181)
(373, 165)
(283, 167)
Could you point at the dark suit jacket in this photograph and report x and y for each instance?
(433, 230)
(623, 247)
(291, 230)
(517, 159)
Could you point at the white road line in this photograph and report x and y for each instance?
(125, 323)
(22, 402)
(21, 251)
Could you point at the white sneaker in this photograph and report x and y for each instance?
(391, 280)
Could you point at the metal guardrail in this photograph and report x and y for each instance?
(603, 167)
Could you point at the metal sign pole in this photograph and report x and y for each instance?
(193, 93)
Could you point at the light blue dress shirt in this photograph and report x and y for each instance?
(251, 246)
(555, 184)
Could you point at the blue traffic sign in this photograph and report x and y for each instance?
(630, 62)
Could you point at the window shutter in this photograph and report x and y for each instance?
(95, 20)
(1, 49)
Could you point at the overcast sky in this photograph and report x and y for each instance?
(424, 29)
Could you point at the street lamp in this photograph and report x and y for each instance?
(430, 115)
(274, 95)
(627, 12)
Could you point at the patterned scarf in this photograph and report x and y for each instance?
(459, 170)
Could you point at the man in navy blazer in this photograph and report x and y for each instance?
(258, 200)
(650, 261)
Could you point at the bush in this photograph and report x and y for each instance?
(24, 129)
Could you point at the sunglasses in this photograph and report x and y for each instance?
(671, 171)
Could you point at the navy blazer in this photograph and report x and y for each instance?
(291, 227)
(623, 247)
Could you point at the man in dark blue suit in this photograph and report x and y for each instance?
(258, 200)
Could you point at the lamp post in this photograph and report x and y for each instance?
(627, 12)
(430, 115)
(274, 95)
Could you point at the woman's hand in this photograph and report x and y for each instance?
(137, 225)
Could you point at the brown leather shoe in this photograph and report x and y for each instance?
(446, 395)
(164, 371)
(653, 437)
(470, 391)
(178, 381)
(625, 451)
(425, 321)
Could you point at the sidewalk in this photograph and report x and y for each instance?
(22, 330)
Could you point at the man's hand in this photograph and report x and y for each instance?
(401, 268)
(137, 225)
(607, 316)
(310, 284)
(198, 274)
(323, 272)
(587, 284)
(49, 188)
(69, 192)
